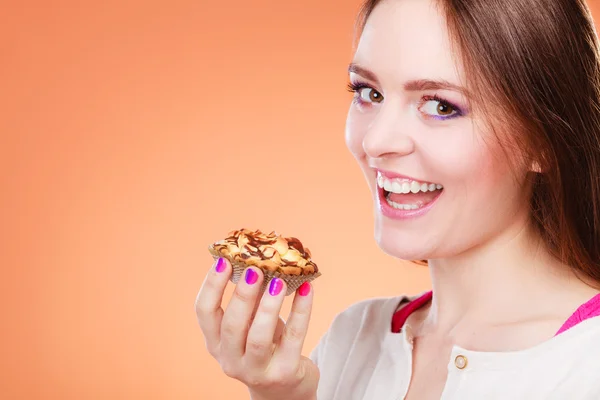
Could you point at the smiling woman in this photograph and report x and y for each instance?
(518, 92)
(477, 127)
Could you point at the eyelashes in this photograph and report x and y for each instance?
(357, 88)
(354, 87)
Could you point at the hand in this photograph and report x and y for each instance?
(251, 342)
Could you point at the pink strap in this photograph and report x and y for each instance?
(402, 314)
(587, 310)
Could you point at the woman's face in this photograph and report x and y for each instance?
(446, 187)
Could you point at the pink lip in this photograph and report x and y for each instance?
(392, 175)
(395, 213)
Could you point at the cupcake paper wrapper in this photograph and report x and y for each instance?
(293, 282)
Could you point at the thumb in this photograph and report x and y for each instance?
(309, 373)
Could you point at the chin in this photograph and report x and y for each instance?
(402, 243)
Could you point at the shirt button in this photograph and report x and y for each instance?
(460, 362)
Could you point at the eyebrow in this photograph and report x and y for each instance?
(413, 85)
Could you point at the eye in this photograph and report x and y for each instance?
(370, 95)
(364, 93)
(438, 108)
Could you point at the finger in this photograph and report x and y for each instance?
(254, 313)
(289, 348)
(208, 303)
(259, 346)
(256, 305)
(279, 330)
(236, 320)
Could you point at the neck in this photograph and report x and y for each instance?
(509, 279)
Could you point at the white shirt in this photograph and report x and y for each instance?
(360, 358)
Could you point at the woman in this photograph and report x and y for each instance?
(477, 126)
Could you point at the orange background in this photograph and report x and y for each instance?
(136, 133)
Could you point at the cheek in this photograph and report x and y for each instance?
(478, 175)
(461, 159)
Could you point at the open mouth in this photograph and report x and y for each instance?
(407, 194)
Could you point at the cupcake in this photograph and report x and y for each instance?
(277, 256)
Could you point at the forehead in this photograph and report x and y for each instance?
(408, 39)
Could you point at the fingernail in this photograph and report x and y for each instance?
(304, 289)
(220, 265)
(275, 286)
(251, 276)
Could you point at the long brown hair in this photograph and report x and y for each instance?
(533, 67)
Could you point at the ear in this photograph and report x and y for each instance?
(535, 167)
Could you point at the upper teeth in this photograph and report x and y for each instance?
(397, 185)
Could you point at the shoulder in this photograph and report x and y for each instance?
(370, 313)
(583, 338)
(369, 319)
(374, 312)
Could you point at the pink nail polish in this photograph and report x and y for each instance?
(220, 265)
(275, 286)
(251, 276)
(304, 289)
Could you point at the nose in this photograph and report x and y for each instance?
(388, 134)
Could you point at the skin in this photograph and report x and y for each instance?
(251, 342)
(485, 259)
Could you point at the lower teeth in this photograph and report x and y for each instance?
(399, 206)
